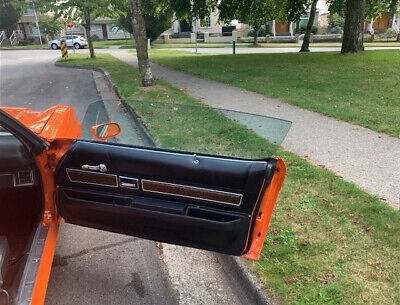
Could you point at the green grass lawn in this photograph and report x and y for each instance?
(27, 47)
(113, 42)
(362, 89)
(131, 43)
(331, 44)
(329, 242)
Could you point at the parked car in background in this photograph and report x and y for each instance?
(75, 41)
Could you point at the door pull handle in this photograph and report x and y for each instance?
(101, 167)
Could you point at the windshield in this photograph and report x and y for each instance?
(189, 127)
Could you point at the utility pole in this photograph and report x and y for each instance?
(195, 33)
(37, 26)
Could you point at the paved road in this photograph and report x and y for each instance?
(30, 79)
(358, 154)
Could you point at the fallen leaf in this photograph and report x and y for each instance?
(289, 280)
(215, 260)
(275, 230)
(368, 228)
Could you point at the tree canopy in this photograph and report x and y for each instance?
(10, 12)
(80, 11)
(50, 26)
(373, 8)
(157, 16)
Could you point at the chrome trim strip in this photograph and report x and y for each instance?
(192, 187)
(28, 280)
(93, 173)
(128, 187)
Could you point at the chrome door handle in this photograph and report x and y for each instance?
(101, 167)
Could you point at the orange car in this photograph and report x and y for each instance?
(47, 172)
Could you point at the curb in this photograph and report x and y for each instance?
(20, 49)
(252, 290)
(101, 70)
(138, 122)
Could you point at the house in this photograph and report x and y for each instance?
(323, 13)
(210, 25)
(101, 29)
(26, 27)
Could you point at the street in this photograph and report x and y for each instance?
(98, 267)
(30, 79)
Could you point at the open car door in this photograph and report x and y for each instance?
(210, 202)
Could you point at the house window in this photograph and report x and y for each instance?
(29, 12)
(113, 28)
(33, 31)
(206, 22)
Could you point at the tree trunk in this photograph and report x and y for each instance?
(353, 32)
(255, 38)
(307, 34)
(139, 32)
(88, 37)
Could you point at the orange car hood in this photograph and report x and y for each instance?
(57, 122)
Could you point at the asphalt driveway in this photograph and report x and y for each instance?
(30, 79)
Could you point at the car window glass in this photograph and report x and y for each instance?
(222, 132)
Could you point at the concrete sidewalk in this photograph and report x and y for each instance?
(359, 155)
(245, 50)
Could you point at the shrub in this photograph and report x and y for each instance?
(303, 29)
(389, 33)
(322, 30)
(95, 37)
(31, 39)
(335, 20)
(264, 31)
(23, 42)
(336, 30)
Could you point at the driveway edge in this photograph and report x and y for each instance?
(101, 70)
(138, 122)
(245, 280)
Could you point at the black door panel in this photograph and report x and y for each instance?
(199, 228)
(200, 201)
